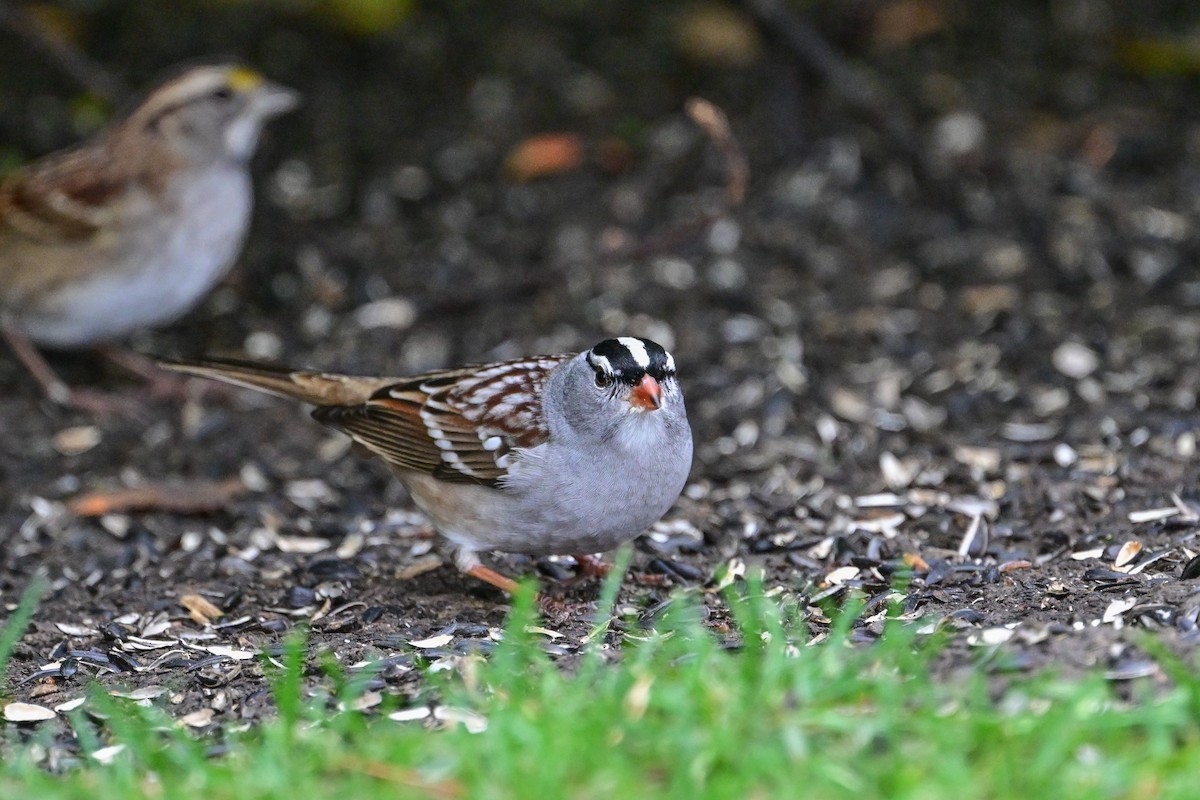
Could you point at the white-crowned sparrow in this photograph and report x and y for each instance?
(552, 454)
(134, 226)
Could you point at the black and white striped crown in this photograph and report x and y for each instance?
(628, 358)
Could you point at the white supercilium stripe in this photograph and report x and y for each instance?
(637, 350)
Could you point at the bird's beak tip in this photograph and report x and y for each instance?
(646, 395)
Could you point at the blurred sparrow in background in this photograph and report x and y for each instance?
(134, 226)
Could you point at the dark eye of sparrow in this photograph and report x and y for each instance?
(603, 379)
(223, 93)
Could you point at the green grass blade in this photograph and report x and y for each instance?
(14, 628)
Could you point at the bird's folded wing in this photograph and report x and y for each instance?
(458, 425)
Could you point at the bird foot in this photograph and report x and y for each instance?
(58, 391)
(490, 576)
(591, 566)
(95, 402)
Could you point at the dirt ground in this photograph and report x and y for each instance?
(949, 341)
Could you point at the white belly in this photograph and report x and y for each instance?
(156, 275)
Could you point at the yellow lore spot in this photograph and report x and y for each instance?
(244, 79)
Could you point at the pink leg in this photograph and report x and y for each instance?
(592, 566)
(53, 386)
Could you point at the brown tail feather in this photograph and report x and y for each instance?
(318, 388)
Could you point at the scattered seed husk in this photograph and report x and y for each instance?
(841, 575)
(1117, 608)
(991, 637)
(887, 525)
(1146, 560)
(1065, 455)
(433, 642)
(1132, 670)
(471, 720)
(1028, 431)
(735, 568)
(310, 494)
(42, 689)
(882, 500)
(897, 473)
(1153, 514)
(365, 701)
(228, 652)
(142, 643)
(419, 566)
(76, 441)
(304, 545)
(157, 625)
(1075, 360)
(70, 705)
(198, 719)
(985, 459)
(411, 714)
(387, 312)
(974, 542)
(973, 506)
(200, 608)
(141, 693)
(543, 631)
(351, 546)
(105, 755)
(1128, 553)
(27, 712)
(1108, 576)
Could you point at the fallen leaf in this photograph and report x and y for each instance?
(196, 497)
(544, 155)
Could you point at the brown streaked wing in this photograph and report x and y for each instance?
(465, 410)
(53, 214)
(65, 197)
(390, 429)
(505, 400)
